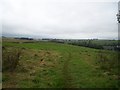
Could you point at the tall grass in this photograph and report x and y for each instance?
(108, 61)
(10, 58)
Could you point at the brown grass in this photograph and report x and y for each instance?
(30, 65)
(10, 58)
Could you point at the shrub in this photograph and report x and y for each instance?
(10, 58)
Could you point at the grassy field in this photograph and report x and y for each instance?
(54, 65)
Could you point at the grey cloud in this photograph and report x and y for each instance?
(60, 19)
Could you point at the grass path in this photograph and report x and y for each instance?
(67, 76)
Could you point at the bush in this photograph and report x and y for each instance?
(10, 58)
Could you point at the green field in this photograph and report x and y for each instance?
(54, 65)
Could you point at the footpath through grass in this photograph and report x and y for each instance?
(53, 65)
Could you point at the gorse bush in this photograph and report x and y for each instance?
(10, 58)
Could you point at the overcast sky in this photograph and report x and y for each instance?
(65, 19)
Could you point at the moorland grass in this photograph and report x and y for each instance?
(54, 65)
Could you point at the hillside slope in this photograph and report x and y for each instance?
(53, 65)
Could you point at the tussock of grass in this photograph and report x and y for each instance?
(11, 57)
(108, 62)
